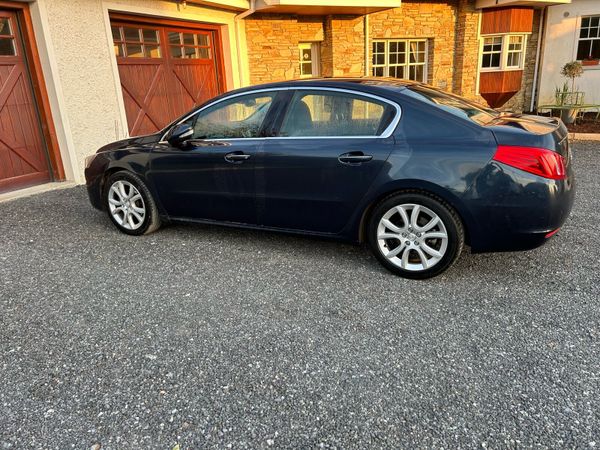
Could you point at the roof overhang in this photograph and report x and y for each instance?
(481, 4)
(324, 7)
(233, 5)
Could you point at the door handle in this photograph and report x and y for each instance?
(236, 157)
(354, 158)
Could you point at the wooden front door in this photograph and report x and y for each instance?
(165, 70)
(23, 156)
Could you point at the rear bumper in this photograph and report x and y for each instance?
(518, 209)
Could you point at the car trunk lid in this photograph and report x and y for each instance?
(534, 131)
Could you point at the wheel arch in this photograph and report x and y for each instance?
(418, 186)
(122, 165)
(108, 172)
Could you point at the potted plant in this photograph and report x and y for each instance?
(560, 94)
(589, 61)
(571, 70)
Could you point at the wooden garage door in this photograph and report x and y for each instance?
(165, 71)
(23, 157)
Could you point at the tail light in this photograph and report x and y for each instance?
(539, 161)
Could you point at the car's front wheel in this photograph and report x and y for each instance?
(130, 204)
(415, 235)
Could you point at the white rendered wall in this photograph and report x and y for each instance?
(560, 47)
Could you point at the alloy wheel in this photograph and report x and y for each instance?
(412, 237)
(126, 205)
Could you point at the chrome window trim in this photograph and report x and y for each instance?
(385, 134)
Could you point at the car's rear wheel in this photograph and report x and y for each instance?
(130, 204)
(415, 235)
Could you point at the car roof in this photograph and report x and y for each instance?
(373, 85)
(362, 83)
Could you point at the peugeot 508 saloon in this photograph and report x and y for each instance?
(415, 172)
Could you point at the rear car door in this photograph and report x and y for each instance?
(328, 147)
(212, 176)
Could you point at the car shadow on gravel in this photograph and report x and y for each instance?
(266, 243)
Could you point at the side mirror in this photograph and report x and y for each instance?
(180, 134)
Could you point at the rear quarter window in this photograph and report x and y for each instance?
(452, 104)
(420, 125)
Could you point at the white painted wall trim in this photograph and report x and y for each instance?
(479, 55)
(122, 129)
(43, 41)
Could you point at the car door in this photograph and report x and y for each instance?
(329, 147)
(212, 176)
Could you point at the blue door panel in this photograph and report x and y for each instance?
(301, 184)
(200, 183)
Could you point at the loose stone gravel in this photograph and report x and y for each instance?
(213, 337)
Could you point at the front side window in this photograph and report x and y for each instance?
(400, 58)
(239, 117)
(503, 52)
(588, 46)
(339, 114)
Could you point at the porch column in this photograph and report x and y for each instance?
(466, 56)
(342, 50)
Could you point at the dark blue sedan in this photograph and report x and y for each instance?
(415, 172)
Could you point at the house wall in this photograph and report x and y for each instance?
(81, 73)
(80, 68)
(466, 57)
(450, 26)
(273, 44)
(344, 46)
(560, 47)
(435, 21)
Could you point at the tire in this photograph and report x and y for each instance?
(433, 245)
(130, 205)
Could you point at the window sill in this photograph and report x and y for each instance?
(507, 69)
(591, 65)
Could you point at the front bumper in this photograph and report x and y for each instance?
(94, 181)
(94, 193)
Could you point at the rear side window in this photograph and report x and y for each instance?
(452, 104)
(324, 113)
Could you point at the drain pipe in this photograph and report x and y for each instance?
(366, 45)
(237, 20)
(538, 57)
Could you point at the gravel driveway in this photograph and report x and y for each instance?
(213, 337)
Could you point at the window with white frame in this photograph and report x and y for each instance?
(588, 46)
(503, 52)
(492, 52)
(309, 59)
(400, 58)
(514, 57)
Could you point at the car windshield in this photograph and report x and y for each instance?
(453, 104)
